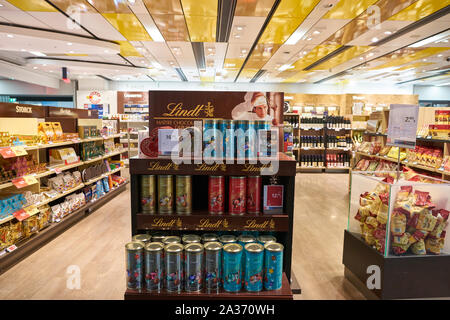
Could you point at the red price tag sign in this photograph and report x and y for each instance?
(21, 215)
(57, 170)
(19, 183)
(11, 248)
(7, 152)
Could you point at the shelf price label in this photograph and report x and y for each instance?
(19, 151)
(24, 181)
(21, 215)
(402, 127)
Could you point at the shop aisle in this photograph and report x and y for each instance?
(96, 246)
(321, 210)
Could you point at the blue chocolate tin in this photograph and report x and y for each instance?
(227, 128)
(243, 240)
(254, 260)
(273, 265)
(240, 130)
(251, 140)
(193, 267)
(232, 264)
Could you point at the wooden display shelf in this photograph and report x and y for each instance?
(60, 195)
(339, 149)
(30, 245)
(285, 293)
(164, 165)
(67, 143)
(102, 176)
(203, 221)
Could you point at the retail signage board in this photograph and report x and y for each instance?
(402, 129)
(180, 109)
(21, 215)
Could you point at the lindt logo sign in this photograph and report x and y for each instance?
(20, 109)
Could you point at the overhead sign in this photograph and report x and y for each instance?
(402, 129)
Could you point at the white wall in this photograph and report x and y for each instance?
(14, 87)
(283, 87)
(433, 92)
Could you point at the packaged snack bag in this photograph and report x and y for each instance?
(419, 247)
(426, 221)
(16, 230)
(398, 223)
(56, 213)
(30, 226)
(433, 245)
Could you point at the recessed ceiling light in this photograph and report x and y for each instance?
(34, 68)
(44, 65)
(69, 43)
(304, 52)
(51, 71)
(361, 58)
(424, 60)
(71, 51)
(210, 49)
(369, 55)
(23, 50)
(1, 5)
(316, 32)
(439, 55)
(106, 51)
(374, 39)
(309, 39)
(236, 36)
(239, 28)
(10, 36)
(243, 51)
(388, 32)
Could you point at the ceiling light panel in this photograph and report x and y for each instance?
(169, 18)
(419, 9)
(247, 28)
(184, 56)
(128, 50)
(359, 25)
(307, 28)
(216, 51)
(13, 14)
(201, 19)
(260, 8)
(286, 19)
(35, 5)
(141, 12)
(342, 57)
(365, 39)
(415, 55)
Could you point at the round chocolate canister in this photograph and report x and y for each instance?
(193, 267)
(273, 265)
(148, 194)
(158, 237)
(145, 238)
(244, 239)
(254, 261)
(154, 266)
(173, 259)
(165, 194)
(227, 238)
(265, 238)
(213, 266)
(209, 237)
(171, 239)
(232, 264)
(191, 238)
(134, 254)
(183, 194)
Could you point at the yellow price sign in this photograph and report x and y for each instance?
(19, 151)
(31, 210)
(29, 180)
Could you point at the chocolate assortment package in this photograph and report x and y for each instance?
(417, 225)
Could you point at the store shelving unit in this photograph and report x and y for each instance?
(30, 245)
(41, 154)
(331, 150)
(281, 224)
(130, 140)
(423, 141)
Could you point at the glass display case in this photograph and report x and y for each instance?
(408, 217)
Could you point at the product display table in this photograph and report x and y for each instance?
(285, 293)
(200, 220)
